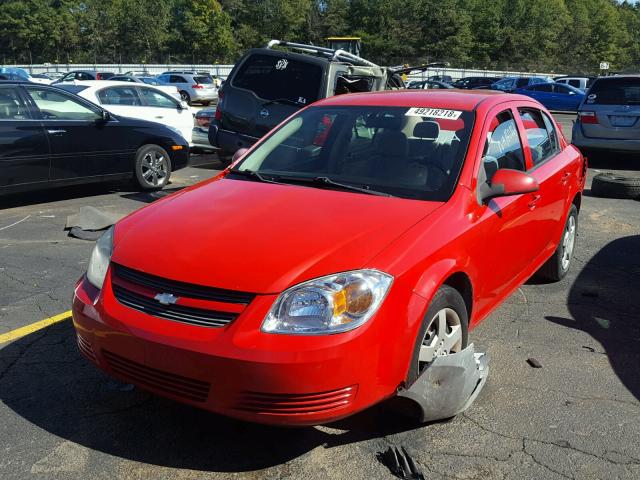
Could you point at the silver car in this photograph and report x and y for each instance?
(609, 116)
(193, 87)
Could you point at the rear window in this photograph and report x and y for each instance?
(205, 80)
(106, 75)
(272, 77)
(615, 91)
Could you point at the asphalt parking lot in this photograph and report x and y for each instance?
(577, 417)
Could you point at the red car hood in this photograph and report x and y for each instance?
(259, 237)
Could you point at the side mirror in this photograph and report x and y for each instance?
(105, 116)
(506, 182)
(239, 154)
(184, 105)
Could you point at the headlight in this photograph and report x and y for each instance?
(332, 304)
(100, 258)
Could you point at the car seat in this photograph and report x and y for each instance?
(9, 109)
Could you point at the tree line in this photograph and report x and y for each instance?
(534, 35)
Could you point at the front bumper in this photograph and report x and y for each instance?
(237, 370)
(612, 144)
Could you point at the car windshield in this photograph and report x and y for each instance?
(615, 91)
(409, 152)
(272, 78)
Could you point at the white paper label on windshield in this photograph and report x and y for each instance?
(434, 113)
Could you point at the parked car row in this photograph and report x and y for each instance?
(189, 85)
(51, 137)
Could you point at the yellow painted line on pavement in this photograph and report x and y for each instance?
(34, 327)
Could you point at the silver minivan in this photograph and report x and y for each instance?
(609, 116)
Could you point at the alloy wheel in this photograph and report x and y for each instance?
(443, 336)
(154, 168)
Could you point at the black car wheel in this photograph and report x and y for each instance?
(153, 167)
(184, 96)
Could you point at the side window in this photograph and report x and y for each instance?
(153, 98)
(553, 134)
(54, 105)
(544, 88)
(119, 96)
(542, 145)
(176, 79)
(523, 82)
(562, 89)
(11, 105)
(502, 148)
(83, 76)
(574, 83)
(68, 77)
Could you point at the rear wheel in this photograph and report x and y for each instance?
(558, 265)
(153, 167)
(184, 96)
(444, 330)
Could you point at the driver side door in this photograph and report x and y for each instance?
(82, 144)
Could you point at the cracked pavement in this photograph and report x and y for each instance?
(577, 417)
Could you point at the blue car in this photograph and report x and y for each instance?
(555, 96)
(510, 84)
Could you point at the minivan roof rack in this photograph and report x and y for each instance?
(329, 53)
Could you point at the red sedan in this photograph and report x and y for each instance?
(338, 259)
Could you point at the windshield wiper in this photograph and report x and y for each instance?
(255, 175)
(327, 181)
(283, 100)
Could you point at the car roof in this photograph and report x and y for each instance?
(449, 99)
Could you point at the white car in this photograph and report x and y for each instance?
(136, 100)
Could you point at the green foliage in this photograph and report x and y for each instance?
(542, 35)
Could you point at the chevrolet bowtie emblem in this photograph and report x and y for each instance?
(166, 298)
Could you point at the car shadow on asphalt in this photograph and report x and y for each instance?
(604, 301)
(57, 194)
(48, 383)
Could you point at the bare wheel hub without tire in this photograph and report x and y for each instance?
(154, 168)
(443, 336)
(568, 242)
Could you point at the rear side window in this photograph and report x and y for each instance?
(11, 106)
(177, 79)
(615, 91)
(272, 77)
(83, 76)
(541, 135)
(119, 96)
(523, 82)
(574, 83)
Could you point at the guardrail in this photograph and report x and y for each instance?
(223, 71)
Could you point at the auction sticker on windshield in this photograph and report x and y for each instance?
(434, 113)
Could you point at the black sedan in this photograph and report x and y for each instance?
(49, 137)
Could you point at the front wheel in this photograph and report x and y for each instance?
(152, 168)
(444, 330)
(558, 265)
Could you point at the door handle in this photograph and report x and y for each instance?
(56, 132)
(534, 201)
(565, 178)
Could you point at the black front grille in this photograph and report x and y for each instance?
(181, 289)
(178, 313)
